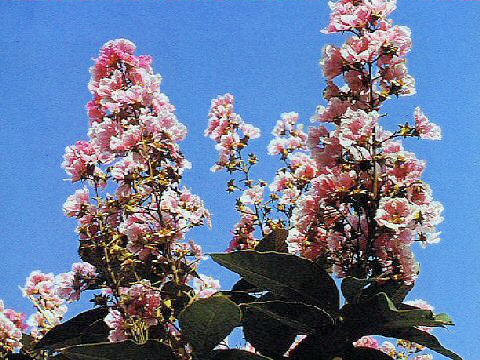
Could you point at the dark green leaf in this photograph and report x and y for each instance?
(288, 276)
(236, 354)
(27, 342)
(318, 347)
(357, 290)
(70, 332)
(362, 353)
(12, 356)
(381, 311)
(306, 319)
(266, 334)
(127, 350)
(240, 292)
(206, 322)
(420, 337)
(275, 241)
(352, 288)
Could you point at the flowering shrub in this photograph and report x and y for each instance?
(348, 202)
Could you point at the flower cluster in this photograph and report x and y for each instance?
(41, 289)
(71, 284)
(139, 309)
(12, 325)
(403, 351)
(205, 286)
(366, 204)
(133, 237)
(223, 127)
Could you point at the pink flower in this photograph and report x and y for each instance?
(425, 128)
(128, 167)
(356, 127)
(80, 160)
(395, 213)
(205, 286)
(368, 342)
(303, 166)
(116, 323)
(249, 130)
(77, 203)
(223, 127)
(69, 285)
(253, 195)
(331, 62)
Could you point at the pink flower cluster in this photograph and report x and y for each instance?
(364, 203)
(139, 231)
(244, 231)
(223, 127)
(426, 129)
(71, 284)
(12, 325)
(205, 286)
(138, 309)
(403, 352)
(351, 15)
(41, 289)
(289, 136)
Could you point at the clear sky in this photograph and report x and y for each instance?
(264, 52)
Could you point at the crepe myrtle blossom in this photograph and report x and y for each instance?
(244, 231)
(69, 285)
(355, 15)
(140, 225)
(41, 289)
(12, 325)
(253, 195)
(205, 286)
(368, 342)
(289, 136)
(138, 310)
(77, 203)
(402, 351)
(426, 129)
(365, 204)
(223, 127)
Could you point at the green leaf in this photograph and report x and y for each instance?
(302, 317)
(352, 288)
(288, 276)
(275, 241)
(420, 337)
(127, 350)
(236, 354)
(357, 290)
(12, 356)
(86, 327)
(268, 335)
(206, 322)
(381, 311)
(316, 347)
(362, 353)
(240, 292)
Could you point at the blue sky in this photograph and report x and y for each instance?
(264, 52)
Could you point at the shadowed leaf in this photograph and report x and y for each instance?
(72, 331)
(206, 322)
(127, 350)
(302, 317)
(275, 241)
(236, 354)
(288, 276)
